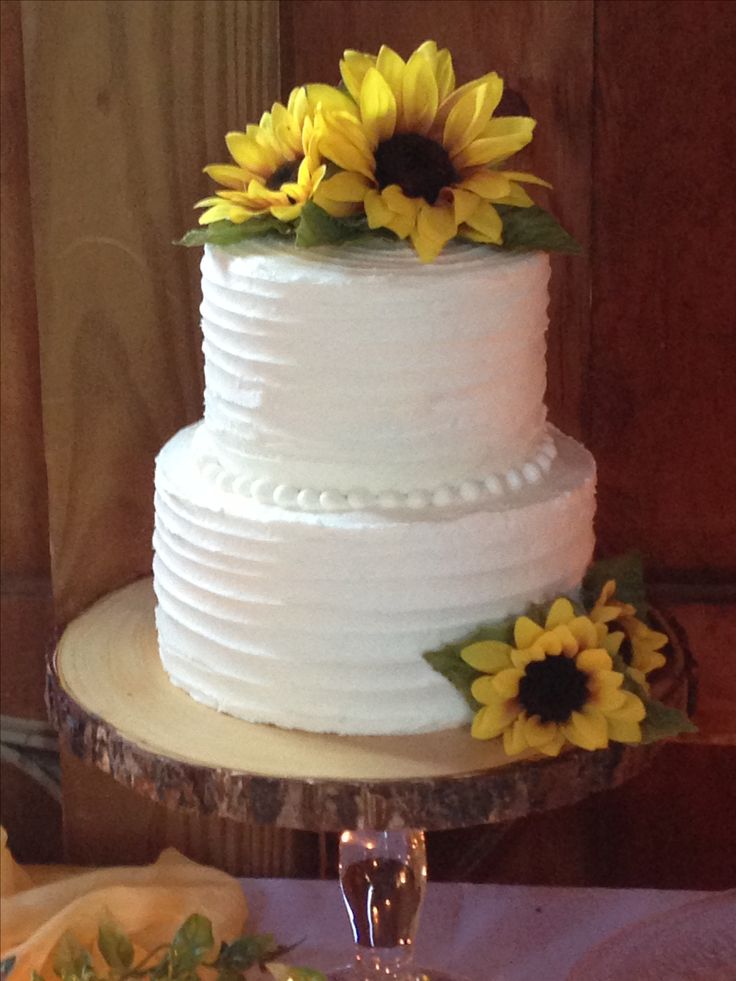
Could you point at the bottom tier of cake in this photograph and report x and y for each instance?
(318, 620)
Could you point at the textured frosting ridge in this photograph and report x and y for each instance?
(318, 620)
(374, 477)
(361, 368)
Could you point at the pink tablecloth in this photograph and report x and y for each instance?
(482, 933)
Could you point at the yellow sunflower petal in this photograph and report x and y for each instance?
(624, 732)
(453, 97)
(483, 691)
(561, 611)
(377, 108)
(436, 222)
(569, 644)
(612, 641)
(647, 661)
(489, 150)
(377, 211)
(289, 212)
(514, 740)
(399, 202)
(594, 659)
(632, 710)
(391, 66)
(344, 142)
(520, 659)
(490, 656)
(539, 733)
(464, 203)
(426, 248)
(555, 744)
(587, 729)
(488, 184)
(346, 186)
(441, 62)
(549, 643)
(353, 67)
(217, 212)
(329, 99)
(526, 631)
(524, 177)
(228, 175)
(491, 720)
(486, 222)
(470, 115)
(517, 197)
(419, 96)
(506, 682)
(583, 629)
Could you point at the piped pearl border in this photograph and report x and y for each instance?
(498, 485)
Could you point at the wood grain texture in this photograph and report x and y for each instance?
(24, 550)
(126, 103)
(661, 405)
(115, 708)
(543, 50)
(143, 827)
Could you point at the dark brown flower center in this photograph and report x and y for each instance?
(287, 172)
(553, 688)
(420, 166)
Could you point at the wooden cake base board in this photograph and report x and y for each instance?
(116, 709)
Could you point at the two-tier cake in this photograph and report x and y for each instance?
(374, 477)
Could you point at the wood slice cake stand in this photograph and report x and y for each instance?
(115, 708)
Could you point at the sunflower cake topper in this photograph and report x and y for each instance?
(397, 151)
(562, 675)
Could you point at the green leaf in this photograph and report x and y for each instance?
(316, 227)
(114, 946)
(249, 950)
(627, 570)
(285, 972)
(35, 976)
(530, 229)
(228, 233)
(663, 722)
(191, 943)
(70, 959)
(449, 663)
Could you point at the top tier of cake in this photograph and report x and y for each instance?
(360, 369)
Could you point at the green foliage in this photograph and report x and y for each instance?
(228, 233)
(534, 229)
(524, 230)
(177, 961)
(449, 663)
(627, 570)
(664, 722)
(71, 961)
(316, 227)
(114, 946)
(661, 721)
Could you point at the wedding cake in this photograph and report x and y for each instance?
(374, 477)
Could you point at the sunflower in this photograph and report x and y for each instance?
(417, 154)
(640, 646)
(555, 685)
(277, 165)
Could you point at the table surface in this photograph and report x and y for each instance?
(479, 932)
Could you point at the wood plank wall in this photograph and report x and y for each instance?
(122, 104)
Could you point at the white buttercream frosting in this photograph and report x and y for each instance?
(360, 369)
(374, 477)
(318, 619)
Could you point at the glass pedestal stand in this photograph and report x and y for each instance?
(383, 878)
